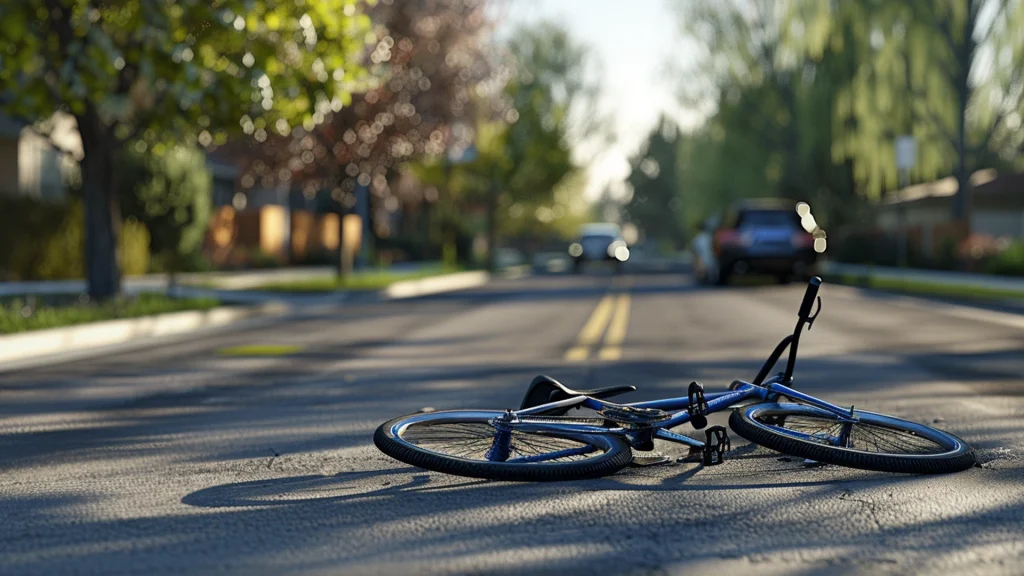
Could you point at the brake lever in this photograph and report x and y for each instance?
(811, 319)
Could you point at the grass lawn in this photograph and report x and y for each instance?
(260, 350)
(927, 288)
(19, 315)
(370, 280)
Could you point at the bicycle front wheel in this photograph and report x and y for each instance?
(467, 443)
(874, 442)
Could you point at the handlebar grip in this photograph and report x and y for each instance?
(809, 297)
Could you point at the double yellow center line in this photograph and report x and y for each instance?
(612, 313)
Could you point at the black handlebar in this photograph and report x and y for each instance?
(809, 298)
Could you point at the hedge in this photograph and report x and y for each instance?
(45, 241)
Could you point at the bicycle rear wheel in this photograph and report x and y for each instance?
(464, 443)
(874, 442)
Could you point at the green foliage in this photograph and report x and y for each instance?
(186, 71)
(920, 68)
(523, 156)
(62, 251)
(558, 218)
(772, 129)
(1009, 262)
(190, 66)
(21, 315)
(656, 204)
(171, 195)
(809, 96)
(25, 226)
(135, 247)
(45, 241)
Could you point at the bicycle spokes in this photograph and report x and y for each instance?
(482, 441)
(861, 436)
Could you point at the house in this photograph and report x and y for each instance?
(996, 208)
(30, 165)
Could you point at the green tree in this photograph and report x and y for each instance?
(192, 70)
(656, 205)
(772, 124)
(171, 195)
(947, 72)
(532, 155)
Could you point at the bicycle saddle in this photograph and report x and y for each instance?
(546, 389)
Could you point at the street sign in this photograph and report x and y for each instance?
(906, 152)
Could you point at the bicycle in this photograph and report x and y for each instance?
(540, 442)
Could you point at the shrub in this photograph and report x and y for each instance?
(171, 195)
(258, 260)
(45, 241)
(946, 256)
(25, 225)
(1009, 262)
(875, 247)
(134, 242)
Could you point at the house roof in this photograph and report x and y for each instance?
(944, 188)
(1009, 186)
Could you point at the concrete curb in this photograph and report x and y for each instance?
(82, 339)
(28, 349)
(435, 285)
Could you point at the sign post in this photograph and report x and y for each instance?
(906, 158)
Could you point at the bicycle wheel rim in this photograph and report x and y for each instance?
(874, 434)
(468, 436)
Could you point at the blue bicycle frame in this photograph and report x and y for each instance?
(761, 390)
(717, 402)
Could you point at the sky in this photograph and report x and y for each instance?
(632, 40)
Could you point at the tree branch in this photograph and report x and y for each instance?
(140, 123)
(933, 118)
(947, 34)
(1001, 115)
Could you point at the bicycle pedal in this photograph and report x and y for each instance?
(716, 446)
(698, 406)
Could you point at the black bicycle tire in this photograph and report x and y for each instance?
(955, 461)
(618, 456)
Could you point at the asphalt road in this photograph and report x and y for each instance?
(187, 458)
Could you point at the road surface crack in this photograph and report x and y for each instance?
(847, 496)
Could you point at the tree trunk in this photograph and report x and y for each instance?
(965, 56)
(101, 211)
